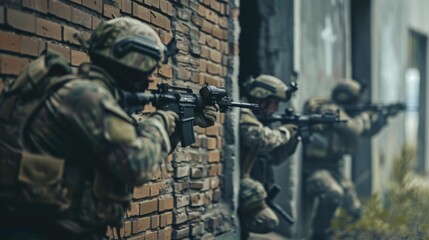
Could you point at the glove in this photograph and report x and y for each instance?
(169, 118)
(205, 117)
(294, 140)
(292, 129)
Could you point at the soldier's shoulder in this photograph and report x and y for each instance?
(81, 89)
(314, 104)
(248, 117)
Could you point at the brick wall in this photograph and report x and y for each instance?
(185, 198)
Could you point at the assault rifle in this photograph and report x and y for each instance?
(387, 110)
(304, 122)
(183, 101)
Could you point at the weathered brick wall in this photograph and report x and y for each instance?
(185, 198)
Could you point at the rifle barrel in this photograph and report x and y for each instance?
(244, 105)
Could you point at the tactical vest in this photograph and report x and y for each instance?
(326, 143)
(27, 179)
(35, 184)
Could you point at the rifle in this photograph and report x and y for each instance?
(182, 101)
(271, 194)
(387, 110)
(304, 122)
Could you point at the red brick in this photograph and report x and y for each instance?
(95, 21)
(183, 28)
(60, 9)
(20, 20)
(181, 200)
(217, 32)
(81, 18)
(163, 5)
(141, 191)
(166, 219)
(38, 5)
(127, 228)
(215, 130)
(126, 6)
(197, 20)
(141, 12)
(160, 20)
(151, 236)
(142, 224)
(69, 35)
(165, 37)
(223, 22)
(214, 182)
(65, 51)
(213, 170)
(111, 11)
(11, 64)
(95, 5)
(1, 85)
(48, 29)
(10, 42)
(215, 5)
(136, 238)
(211, 143)
(181, 172)
(154, 189)
(154, 221)
(211, 16)
(165, 203)
(202, 185)
(181, 233)
(78, 57)
(215, 56)
(165, 234)
(155, 4)
(148, 206)
(77, 1)
(166, 71)
(213, 156)
(134, 209)
(170, 9)
(180, 217)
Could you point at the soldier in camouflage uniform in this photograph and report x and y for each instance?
(274, 145)
(87, 150)
(323, 156)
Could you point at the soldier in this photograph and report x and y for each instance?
(323, 156)
(273, 145)
(70, 156)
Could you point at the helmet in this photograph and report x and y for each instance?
(346, 92)
(265, 86)
(128, 42)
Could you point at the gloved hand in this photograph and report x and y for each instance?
(205, 117)
(294, 140)
(169, 118)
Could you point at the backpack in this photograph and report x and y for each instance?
(29, 179)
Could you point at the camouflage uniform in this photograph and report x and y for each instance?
(96, 151)
(261, 142)
(323, 158)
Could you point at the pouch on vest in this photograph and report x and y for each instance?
(30, 179)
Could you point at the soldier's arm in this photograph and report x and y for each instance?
(355, 125)
(255, 135)
(129, 153)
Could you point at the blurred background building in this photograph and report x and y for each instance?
(380, 43)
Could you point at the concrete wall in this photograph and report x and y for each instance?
(322, 59)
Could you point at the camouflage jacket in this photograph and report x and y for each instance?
(333, 142)
(106, 151)
(259, 141)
